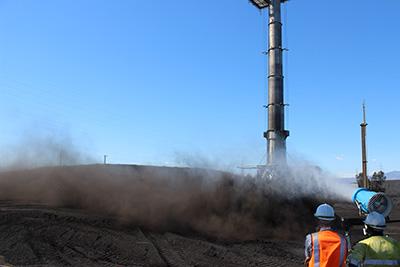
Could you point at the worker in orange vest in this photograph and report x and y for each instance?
(326, 247)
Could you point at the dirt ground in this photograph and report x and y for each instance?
(32, 235)
(44, 235)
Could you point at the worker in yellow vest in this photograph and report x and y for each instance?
(325, 248)
(377, 250)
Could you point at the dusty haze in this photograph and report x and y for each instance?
(192, 200)
(183, 200)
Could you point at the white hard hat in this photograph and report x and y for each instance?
(325, 212)
(375, 220)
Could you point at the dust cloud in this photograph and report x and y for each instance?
(183, 200)
(307, 179)
(297, 178)
(33, 151)
(197, 201)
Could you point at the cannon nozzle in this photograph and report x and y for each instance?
(368, 201)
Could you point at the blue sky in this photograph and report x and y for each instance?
(152, 82)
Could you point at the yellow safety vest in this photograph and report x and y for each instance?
(375, 251)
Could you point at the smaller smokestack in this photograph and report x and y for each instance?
(364, 149)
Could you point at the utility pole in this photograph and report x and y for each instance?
(364, 149)
(276, 134)
(105, 159)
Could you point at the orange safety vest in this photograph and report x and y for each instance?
(329, 249)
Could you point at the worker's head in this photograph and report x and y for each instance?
(375, 223)
(325, 214)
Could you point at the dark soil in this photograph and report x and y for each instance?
(32, 235)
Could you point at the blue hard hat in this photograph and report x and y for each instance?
(375, 220)
(325, 212)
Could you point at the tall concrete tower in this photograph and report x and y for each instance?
(276, 134)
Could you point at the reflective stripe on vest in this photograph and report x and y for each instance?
(316, 249)
(342, 251)
(382, 262)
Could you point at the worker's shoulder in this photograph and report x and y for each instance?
(308, 236)
(391, 240)
(373, 239)
(323, 232)
(369, 240)
(331, 232)
(311, 234)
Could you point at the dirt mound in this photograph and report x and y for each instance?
(181, 200)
